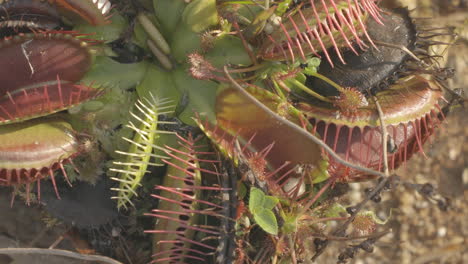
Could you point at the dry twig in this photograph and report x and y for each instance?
(57, 252)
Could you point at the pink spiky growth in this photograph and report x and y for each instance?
(200, 68)
(39, 73)
(32, 151)
(349, 101)
(182, 211)
(363, 225)
(411, 114)
(315, 28)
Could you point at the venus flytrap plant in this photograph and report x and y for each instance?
(140, 153)
(252, 141)
(266, 79)
(354, 116)
(173, 81)
(42, 72)
(183, 212)
(254, 148)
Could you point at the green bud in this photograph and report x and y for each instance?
(154, 34)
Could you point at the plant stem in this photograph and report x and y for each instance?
(309, 91)
(383, 127)
(327, 80)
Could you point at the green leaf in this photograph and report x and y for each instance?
(261, 205)
(282, 7)
(140, 36)
(267, 221)
(109, 73)
(168, 13)
(320, 173)
(256, 200)
(270, 202)
(290, 223)
(160, 83)
(184, 41)
(259, 21)
(200, 15)
(201, 96)
(108, 32)
(228, 50)
(150, 26)
(334, 210)
(241, 190)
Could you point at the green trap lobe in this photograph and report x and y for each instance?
(32, 150)
(36, 144)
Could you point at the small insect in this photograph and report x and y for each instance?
(391, 146)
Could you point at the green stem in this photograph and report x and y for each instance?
(327, 80)
(309, 91)
(278, 90)
(248, 69)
